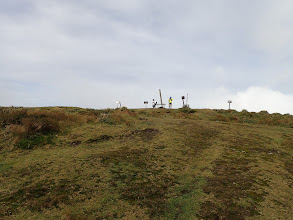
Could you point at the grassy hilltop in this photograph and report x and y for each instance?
(73, 163)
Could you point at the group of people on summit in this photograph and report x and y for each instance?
(170, 101)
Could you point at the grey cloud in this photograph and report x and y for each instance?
(131, 48)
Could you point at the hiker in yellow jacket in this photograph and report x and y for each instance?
(170, 102)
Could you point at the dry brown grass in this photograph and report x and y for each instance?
(29, 125)
(146, 164)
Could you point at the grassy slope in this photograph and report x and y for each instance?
(152, 164)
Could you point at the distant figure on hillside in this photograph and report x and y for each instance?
(154, 103)
(170, 102)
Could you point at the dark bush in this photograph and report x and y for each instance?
(34, 141)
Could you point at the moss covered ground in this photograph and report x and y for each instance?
(73, 163)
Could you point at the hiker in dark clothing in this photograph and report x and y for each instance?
(154, 103)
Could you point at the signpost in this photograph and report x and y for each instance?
(229, 101)
(146, 103)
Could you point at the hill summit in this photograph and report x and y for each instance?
(74, 163)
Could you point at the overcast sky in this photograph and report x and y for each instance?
(92, 53)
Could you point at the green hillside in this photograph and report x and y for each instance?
(73, 163)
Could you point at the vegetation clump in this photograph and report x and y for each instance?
(33, 128)
(187, 110)
(262, 117)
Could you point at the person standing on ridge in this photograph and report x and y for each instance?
(170, 102)
(154, 103)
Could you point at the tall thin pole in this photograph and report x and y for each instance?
(161, 97)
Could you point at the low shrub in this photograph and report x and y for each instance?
(123, 119)
(106, 111)
(263, 112)
(187, 110)
(34, 141)
(106, 119)
(119, 116)
(44, 125)
(263, 118)
(9, 116)
(32, 127)
(93, 112)
(126, 111)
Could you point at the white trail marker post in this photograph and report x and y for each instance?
(229, 101)
(118, 104)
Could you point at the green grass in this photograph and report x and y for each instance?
(4, 167)
(183, 202)
(73, 163)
